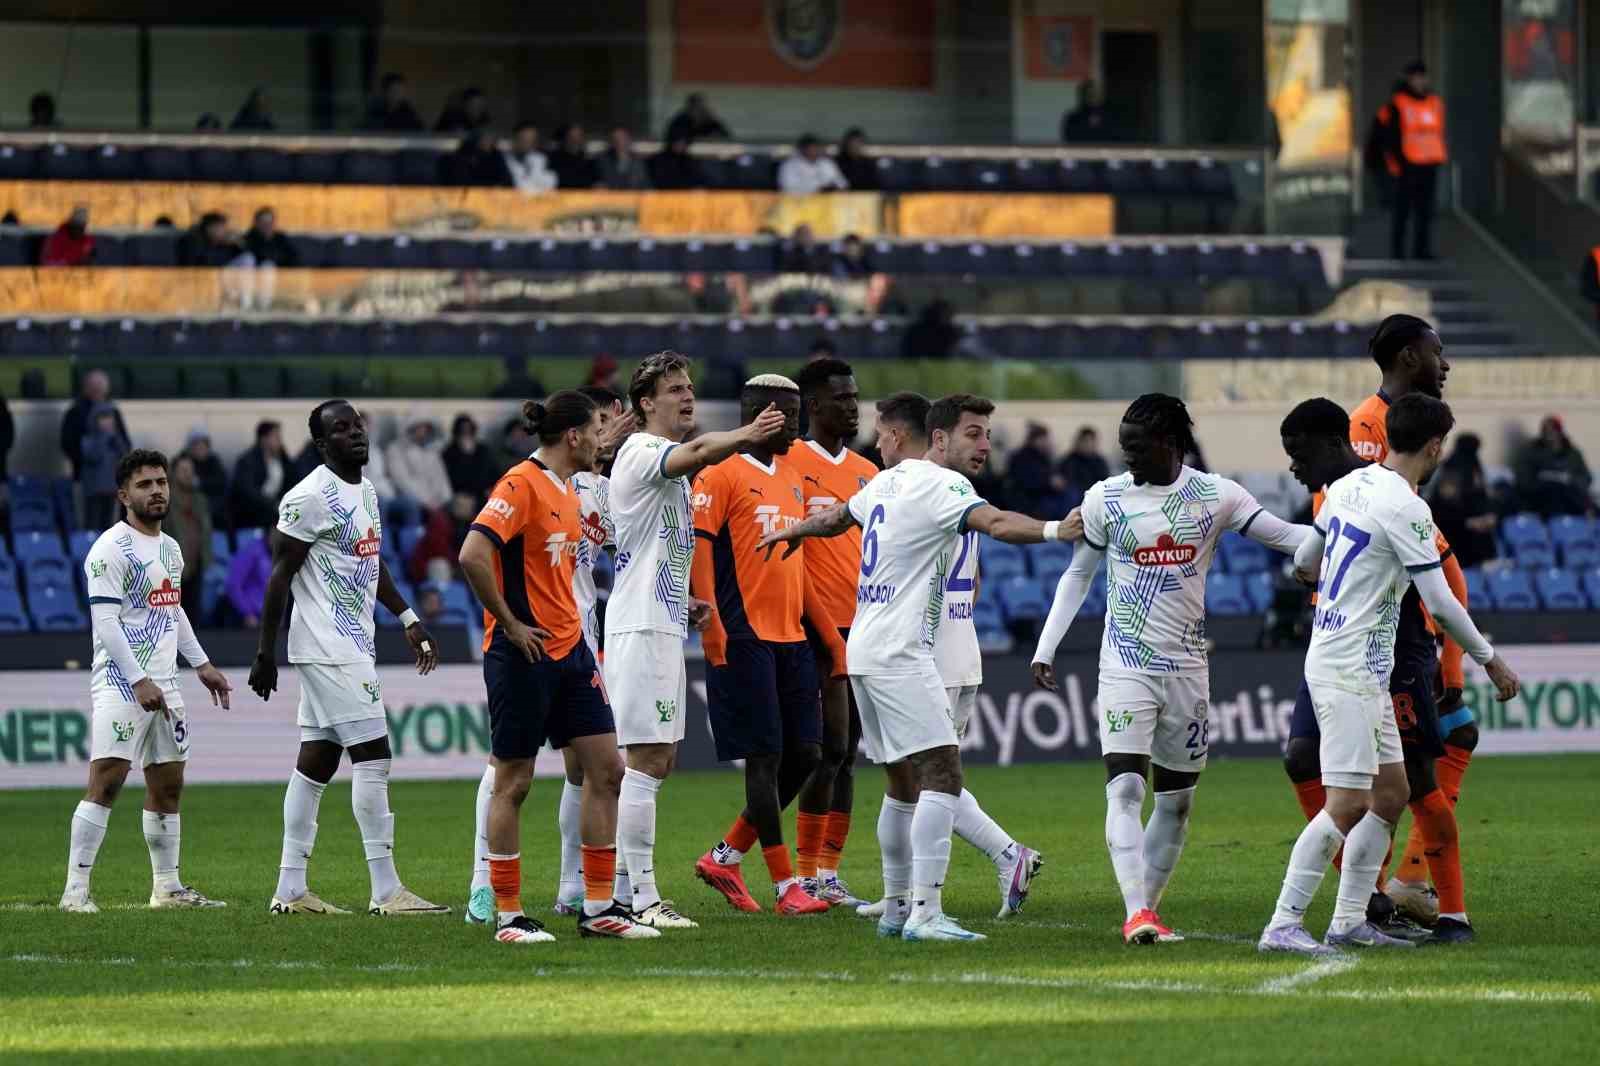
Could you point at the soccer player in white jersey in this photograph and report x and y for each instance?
(1157, 527)
(902, 434)
(650, 610)
(327, 548)
(1373, 537)
(912, 518)
(134, 574)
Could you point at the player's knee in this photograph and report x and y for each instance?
(1302, 759)
(1464, 736)
(804, 758)
(1389, 798)
(831, 754)
(607, 777)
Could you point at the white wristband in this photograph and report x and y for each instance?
(1052, 531)
(408, 618)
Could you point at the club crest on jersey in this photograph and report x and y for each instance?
(1165, 552)
(168, 595)
(798, 496)
(1355, 499)
(368, 545)
(556, 545)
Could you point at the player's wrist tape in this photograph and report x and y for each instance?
(1052, 531)
(408, 618)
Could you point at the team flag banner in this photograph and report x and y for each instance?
(1058, 47)
(840, 44)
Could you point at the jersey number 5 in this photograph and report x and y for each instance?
(1358, 538)
(869, 542)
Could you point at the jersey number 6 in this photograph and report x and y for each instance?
(869, 542)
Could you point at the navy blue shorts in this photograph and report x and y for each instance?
(1416, 713)
(764, 700)
(552, 699)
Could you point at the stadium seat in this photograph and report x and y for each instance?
(1478, 586)
(1577, 538)
(221, 549)
(56, 610)
(1245, 556)
(29, 548)
(986, 615)
(1048, 560)
(1094, 604)
(1510, 590)
(13, 619)
(1528, 541)
(1560, 590)
(999, 560)
(213, 587)
(1021, 600)
(1591, 587)
(406, 538)
(33, 515)
(78, 544)
(386, 619)
(61, 162)
(18, 162)
(1260, 587)
(1226, 595)
(8, 571)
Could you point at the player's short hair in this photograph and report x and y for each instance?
(1165, 416)
(815, 374)
(603, 397)
(772, 381)
(1320, 417)
(1392, 335)
(946, 412)
(315, 421)
(908, 410)
(650, 371)
(561, 411)
(137, 460)
(1414, 420)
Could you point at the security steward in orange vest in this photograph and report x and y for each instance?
(1412, 128)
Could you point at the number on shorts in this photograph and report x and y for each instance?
(1358, 538)
(957, 583)
(180, 730)
(1199, 736)
(1405, 711)
(869, 542)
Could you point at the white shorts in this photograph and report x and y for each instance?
(144, 738)
(962, 699)
(647, 685)
(1358, 734)
(341, 703)
(901, 716)
(1163, 716)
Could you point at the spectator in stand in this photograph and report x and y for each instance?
(516, 443)
(188, 522)
(1589, 279)
(398, 510)
(247, 581)
(104, 444)
(602, 373)
(803, 255)
(391, 110)
(255, 114)
(210, 475)
(1032, 479)
(1552, 477)
(674, 168)
(809, 170)
(696, 122)
(530, 170)
(1462, 507)
(519, 384)
(267, 243)
(70, 245)
(859, 169)
(42, 112)
(1088, 123)
(1409, 136)
(933, 335)
(260, 478)
(417, 468)
(430, 605)
(620, 168)
(209, 244)
(208, 123)
(1084, 465)
(852, 261)
(570, 160)
(473, 471)
(467, 113)
(477, 162)
(94, 391)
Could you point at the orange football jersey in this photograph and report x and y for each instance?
(532, 517)
(834, 562)
(736, 503)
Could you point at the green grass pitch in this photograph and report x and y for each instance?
(1051, 985)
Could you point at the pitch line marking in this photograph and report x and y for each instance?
(1277, 986)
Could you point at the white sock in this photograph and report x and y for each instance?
(894, 844)
(1125, 838)
(300, 803)
(567, 820)
(725, 854)
(636, 834)
(161, 837)
(825, 875)
(1164, 835)
(978, 829)
(780, 887)
(931, 826)
(480, 830)
(622, 888)
(1313, 850)
(1364, 849)
(369, 799)
(89, 821)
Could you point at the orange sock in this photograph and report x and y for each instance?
(742, 837)
(1312, 796)
(834, 834)
(1437, 820)
(1450, 769)
(599, 872)
(777, 858)
(505, 877)
(809, 830)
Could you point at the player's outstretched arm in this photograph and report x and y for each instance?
(1071, 591)
(195, 655)
(1268, 529)
(288, 556)
(1308, 558)
(422, 644)
(828, 523)
(1448, 612)
(708, 449)
(477, 566)
(1014, 528)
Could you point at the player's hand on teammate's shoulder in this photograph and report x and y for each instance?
(423, 645)
(1044, 675)
(527, 639)
(263, 675)
(216, 683)
(699, 614)
(1307, 576)
(1071, 526)
(1506, 682)
(148, 695)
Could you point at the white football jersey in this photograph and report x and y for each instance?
(143, 575)
(594, 509)
(956, 651)
(911, 517)
(336, 590)
(653, 525)
(1159, 540)
(1379, 532)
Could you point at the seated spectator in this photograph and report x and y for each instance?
(1552, 477)
(188, 522)
(809, 170)
(1084, 465)
(391, 110)
(933, 335)
(211, 476)
(70, 245)
(94, 391)
(466, 113)
(267, 243)
(42, 112)
(477, 162)
(852, 261)
(674, 168)
(570, 160)
(1033, 483)
(209, 244)
(620, 168)
(696, 122)
(255, 114)
(803, 255)
(473, 471)
(103, 446)
(1459, 496)
(430, 605)
(260, 478)
(530, 170)
(859, 169)
(519, 384)
(397, 509)
(247, 581)
(416, 466)
(516, 443)
(1087, 124)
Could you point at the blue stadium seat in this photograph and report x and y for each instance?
(62, 495)
(31, 547)
(32, 515)
(18, 162)
(221, 549)
(453, 616)
(986, 615)
(1528, 541)
(1243, 555)
(13, 619)
(165, 164)
(1094, 604)
(1578, 539)
(1260, 587)
(1001, 560)
(56, 610)
(1510, 590)
(213, 587)
(386, 619)
(78, 544)
(8, 570)
(1478, 586)
(453, 594)
(267, 165)
(1021, 600)
(406, 538)
(1591, 587)
(215, 164)
(1560, 590)
(60, 162)
(1048, 560)
(1226, 595)
(53, 573)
